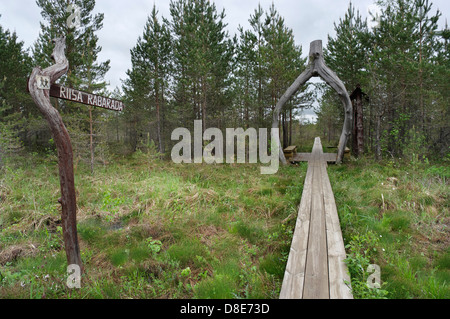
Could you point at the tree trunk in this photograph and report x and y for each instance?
(91, 139)
(162, 121)
(158, 122)
(285, 133)
(290, 126)
(358, 125)
(117, 129)
(360, 128)
(378, 138)
(330, 133)
(204, 100)
(65, 155)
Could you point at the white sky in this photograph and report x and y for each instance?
(125, 20)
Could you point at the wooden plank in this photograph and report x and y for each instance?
(290, 148)
(305, 157)
(301, 157)
(316, 275)
(330, 157)
(73, 95)
(292, 286)
(290, 151)
(339, 278)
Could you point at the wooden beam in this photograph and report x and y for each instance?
(73, 95)
(292, 287)
(316, 275)
(305, 157)
(338, 277)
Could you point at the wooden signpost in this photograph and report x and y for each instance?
(41, 86)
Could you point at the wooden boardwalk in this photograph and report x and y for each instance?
(315, 268)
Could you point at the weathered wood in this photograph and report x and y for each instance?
(290, 151)
(73, 95)
(317, 67)
(333, 80)
(305, 157)
(337, 269)
(291, 148)
(64, 147)
(316, 275)
(301, 157)
(303, 77)
(292, 287)
(315, 267)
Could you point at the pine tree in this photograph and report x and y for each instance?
(283, 63)
(427, 46)
(268, 62)
(15, 102)
(441, 113)
(257, 25)
(55, 15)
(150, 74)
(403, 59)
(397, 64)
(202, 55)
(246, 87)
(346, 54)
(84, 73)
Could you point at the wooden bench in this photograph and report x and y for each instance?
(290, 151)
(315, 268)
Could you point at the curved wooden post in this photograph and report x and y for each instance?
(62, 141)
(305, 76)
(317, 67)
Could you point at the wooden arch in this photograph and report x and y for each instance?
(317, 67)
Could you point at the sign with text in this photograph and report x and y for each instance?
(73, 95)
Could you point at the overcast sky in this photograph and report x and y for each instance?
(125, 20)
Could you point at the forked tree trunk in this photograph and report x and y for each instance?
(62, 141)
(317, 67)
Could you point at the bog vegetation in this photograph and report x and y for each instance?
(150, 228)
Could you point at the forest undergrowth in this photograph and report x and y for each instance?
(149, 228)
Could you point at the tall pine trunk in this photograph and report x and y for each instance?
(91, 139)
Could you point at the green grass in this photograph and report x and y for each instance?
(150, 229)
(396, 216)
(154, 229)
